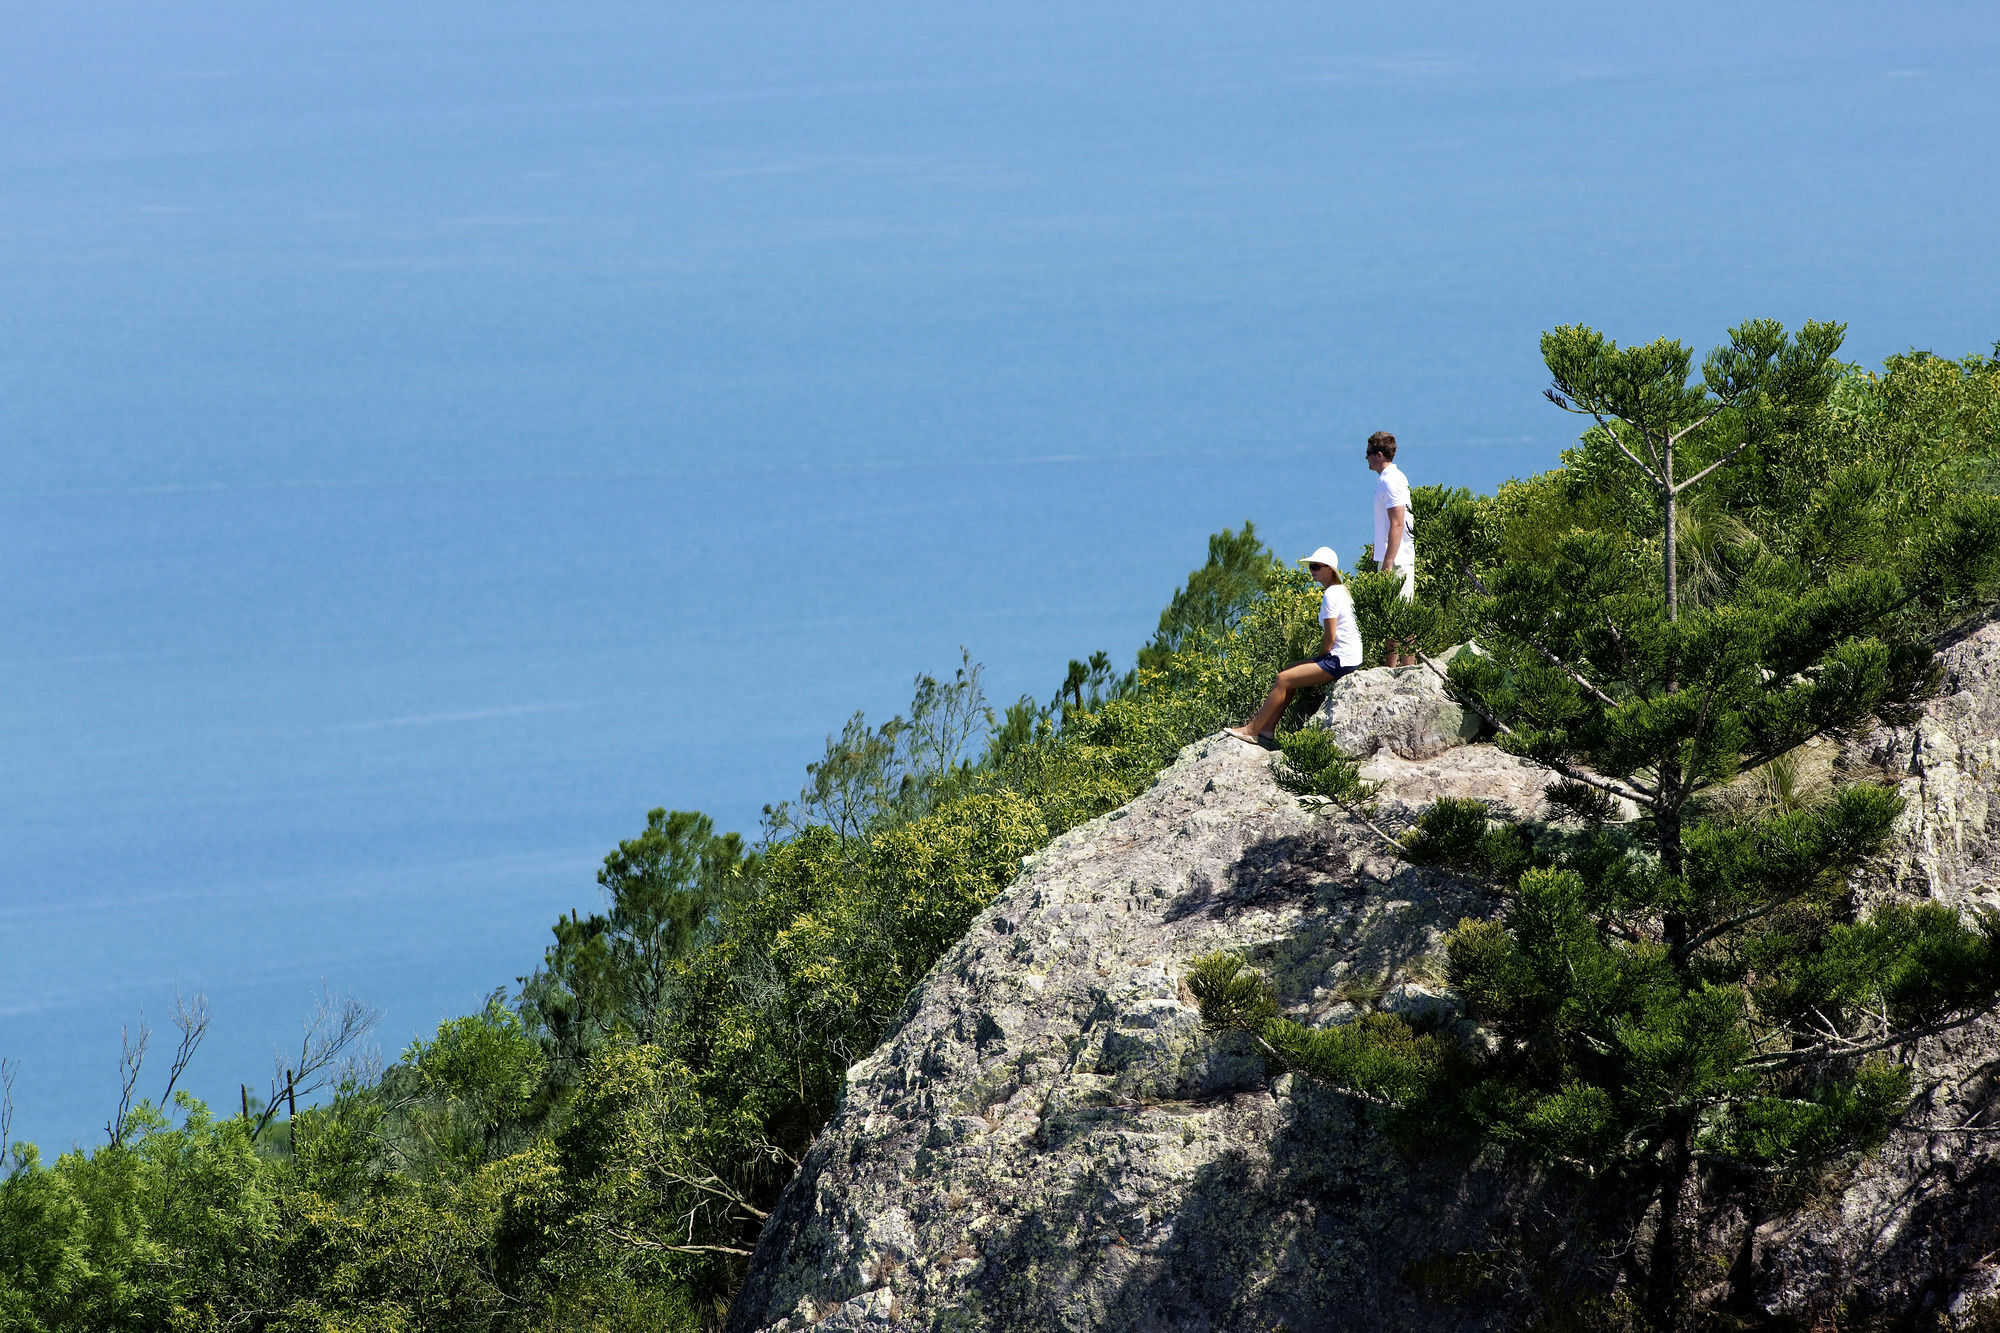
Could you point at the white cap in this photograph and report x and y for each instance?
(1323, 556)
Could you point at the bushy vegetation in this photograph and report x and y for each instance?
(1731, 563)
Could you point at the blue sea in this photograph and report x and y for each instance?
(432, 434)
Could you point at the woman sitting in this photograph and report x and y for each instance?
(1339, 651)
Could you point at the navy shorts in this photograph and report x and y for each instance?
(1331, 665)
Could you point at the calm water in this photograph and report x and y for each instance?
(433, 434)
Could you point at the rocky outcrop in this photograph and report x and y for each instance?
(1049, 1141)
(1917, 1227)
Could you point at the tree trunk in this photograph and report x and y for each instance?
(1743, 1271)
(1673, 537)
(1663, 1280)
(1667, 822)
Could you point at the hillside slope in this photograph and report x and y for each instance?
(1049, 1141)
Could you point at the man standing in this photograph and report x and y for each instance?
(1394, 549)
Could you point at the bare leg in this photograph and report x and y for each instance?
(1290, 679)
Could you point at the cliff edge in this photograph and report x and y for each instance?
(1049, 1141)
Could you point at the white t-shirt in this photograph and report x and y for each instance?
(1338, 606)
(1392, 488)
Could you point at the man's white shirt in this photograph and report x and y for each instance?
(1392, 488)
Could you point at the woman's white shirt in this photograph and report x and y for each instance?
(1338, 606)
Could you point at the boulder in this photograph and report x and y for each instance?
(1509, 786)
(1403, 710)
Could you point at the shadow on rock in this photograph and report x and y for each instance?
(1310, 1220)
(1305, 867)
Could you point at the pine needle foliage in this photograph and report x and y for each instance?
(1460, 833)
(1232, 998)
(1316, 767)
(1379, 1058)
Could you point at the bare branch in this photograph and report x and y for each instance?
(1618, 931)
(1683, 485)
(639, 1242)
(1570, 671)
(714, 1185)
(1655, 470)
(334, 1026)
(1721, 928)
(131, 1055)
(1630, 790)
(1471, 576)
(1692, 427)
(8, 1069)
(270, 1111)
(1662, 462)
(192, 1017)
(1842, 1048)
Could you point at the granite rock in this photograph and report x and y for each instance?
(1404, 712)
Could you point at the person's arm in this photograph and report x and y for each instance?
(1395, 542)
(1329, 630)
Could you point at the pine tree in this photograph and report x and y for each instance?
(1689, 995)
(611, 974)
(1215, 596)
